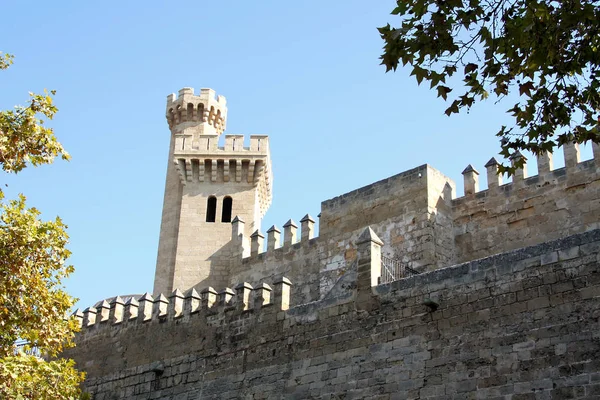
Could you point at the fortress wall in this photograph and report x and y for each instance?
(395, 208)
(528, 211)
(411, 212)
(300, 262)
(520, 325)
(399, 194)
(401, 210)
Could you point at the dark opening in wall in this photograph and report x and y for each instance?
(200, 114)
(227, 204)
(211, 209)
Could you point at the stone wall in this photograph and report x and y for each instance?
(520, 325)
(529, 210)
(424, 228)
(410, 211)
(401, 210)
(301, 262)
(413, 212)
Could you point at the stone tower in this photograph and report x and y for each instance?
(206, 187)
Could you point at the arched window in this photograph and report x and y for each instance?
(211, 209)
(179, 114)
(190, 112)
(227, 203)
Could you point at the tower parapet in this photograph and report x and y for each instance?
(205, 161)
(203, 114)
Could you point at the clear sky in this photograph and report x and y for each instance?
(305, 72)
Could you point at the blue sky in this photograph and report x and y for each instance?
(306, 73)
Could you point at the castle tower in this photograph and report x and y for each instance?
(206, 187)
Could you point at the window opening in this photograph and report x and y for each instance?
(226, 215)
(211, 209)
(200, 112)
(190, 112)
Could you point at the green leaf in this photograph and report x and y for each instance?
(419, 73)
(470, 67)
(453, 108)
(443, 91)
(526, 88)
(450, 69)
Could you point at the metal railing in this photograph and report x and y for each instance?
(23, 346)
(393, 270)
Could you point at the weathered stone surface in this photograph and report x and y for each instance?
(494, 294)
(498, 332)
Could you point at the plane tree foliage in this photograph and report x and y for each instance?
(33, 263)
(541, 56)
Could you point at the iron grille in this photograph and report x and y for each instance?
(23, 346)
(393, 270)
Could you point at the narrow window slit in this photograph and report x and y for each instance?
(227, 204)
(211, 209)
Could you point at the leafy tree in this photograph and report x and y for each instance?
(546, 53)
(32, 265)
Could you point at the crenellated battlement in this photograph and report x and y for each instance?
(546, 173)
(528, 210)
(208, 304)
(204, 113)
(201, 160)
(275, 241)
(208, 145)
(424, 226)
(205, 149)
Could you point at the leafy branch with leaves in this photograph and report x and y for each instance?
(33, 263)
(544, 52)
